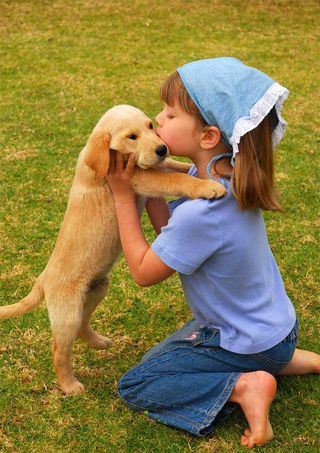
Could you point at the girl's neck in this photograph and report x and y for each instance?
(222, 167)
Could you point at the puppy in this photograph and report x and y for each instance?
(75, 279)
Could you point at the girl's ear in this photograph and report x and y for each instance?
(97, 156)
(211, 136)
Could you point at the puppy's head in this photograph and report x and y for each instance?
(125, 129)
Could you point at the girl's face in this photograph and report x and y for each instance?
(179, 130)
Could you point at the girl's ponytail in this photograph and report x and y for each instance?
(252, 179)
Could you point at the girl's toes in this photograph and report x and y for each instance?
(244, 440)
(251, 442)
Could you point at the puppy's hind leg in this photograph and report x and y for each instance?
(93, 297)
(65, 318)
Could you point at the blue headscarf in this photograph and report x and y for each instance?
(234, 97)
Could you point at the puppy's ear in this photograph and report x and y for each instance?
(98, 152)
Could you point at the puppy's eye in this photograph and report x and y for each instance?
(133, 136)
(150, 126)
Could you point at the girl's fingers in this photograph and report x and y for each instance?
(118, 167)
(112, 161)
(130, 165)
(119, 163)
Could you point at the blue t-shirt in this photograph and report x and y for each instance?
(229, 275)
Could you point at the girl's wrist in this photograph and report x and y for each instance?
(125, 199)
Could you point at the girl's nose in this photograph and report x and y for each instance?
(158, 119)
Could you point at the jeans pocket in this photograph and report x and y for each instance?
(188, 336)
(206, 337)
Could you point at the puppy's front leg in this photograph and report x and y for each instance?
(153, 183)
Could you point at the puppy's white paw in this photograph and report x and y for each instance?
(211, 189)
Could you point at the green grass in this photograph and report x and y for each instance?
(63, 63)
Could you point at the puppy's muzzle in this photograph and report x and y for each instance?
(162, 151)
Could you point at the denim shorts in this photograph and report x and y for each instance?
(187, 379)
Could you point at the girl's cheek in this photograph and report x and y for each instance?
(167, 133)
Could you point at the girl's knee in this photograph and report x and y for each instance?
(139, 388)
(128, 383)
(129, 391)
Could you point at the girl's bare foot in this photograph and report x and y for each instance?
(255, 392)
(302, 362)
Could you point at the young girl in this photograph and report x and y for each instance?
(225, 117)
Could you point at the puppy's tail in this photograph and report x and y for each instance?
(26, 304)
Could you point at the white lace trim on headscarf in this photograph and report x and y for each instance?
(274, 97)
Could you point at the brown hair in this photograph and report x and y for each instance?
(173, 90)
(252, 178)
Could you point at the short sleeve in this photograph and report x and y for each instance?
(191, 236)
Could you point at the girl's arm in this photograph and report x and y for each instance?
(145, 266)
(158, 213)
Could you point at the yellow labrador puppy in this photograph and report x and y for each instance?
(75, 278)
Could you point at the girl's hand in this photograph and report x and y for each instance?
(119, 177)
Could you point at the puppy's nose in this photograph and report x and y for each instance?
(161, 150)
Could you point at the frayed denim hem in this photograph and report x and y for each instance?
(190, 419)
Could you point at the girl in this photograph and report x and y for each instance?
(225, 117)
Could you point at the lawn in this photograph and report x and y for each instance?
(63, 63)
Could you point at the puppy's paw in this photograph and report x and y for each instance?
(72, 387)
(211, 189)
(99, 342)
(219, 189)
